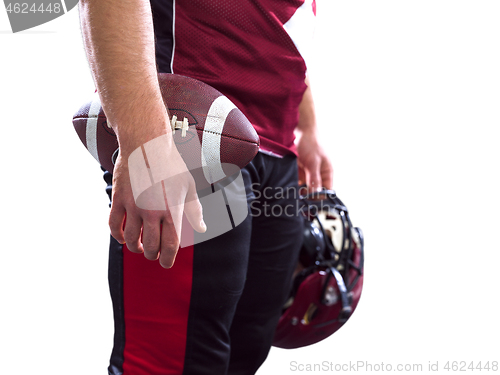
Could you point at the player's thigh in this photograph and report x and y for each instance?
(277, 230)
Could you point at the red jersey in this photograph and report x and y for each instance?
(246, 49)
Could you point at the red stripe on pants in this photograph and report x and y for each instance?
(156, 310)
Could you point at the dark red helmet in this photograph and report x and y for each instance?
(329, 277)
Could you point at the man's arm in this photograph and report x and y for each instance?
(119, 41)
(315, 168)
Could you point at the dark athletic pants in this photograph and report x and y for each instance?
(214, 312)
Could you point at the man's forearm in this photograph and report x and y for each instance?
(119, 41)
(307, 112)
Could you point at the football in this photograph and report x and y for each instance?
(210, 132)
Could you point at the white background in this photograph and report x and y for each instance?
(408, 98)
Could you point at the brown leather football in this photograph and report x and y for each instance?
(209, 131)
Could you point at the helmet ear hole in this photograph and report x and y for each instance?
(333, 228)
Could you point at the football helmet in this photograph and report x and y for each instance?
(328, 280)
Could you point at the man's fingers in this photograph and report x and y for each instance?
(132, 233)
(169, 241)
(116, 219)
(194, 214)
(194, 211)
(151, 238)
(313, 176)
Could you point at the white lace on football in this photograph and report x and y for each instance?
(182, 125)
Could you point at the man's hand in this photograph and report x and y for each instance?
(154, 232)
(315, 168)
